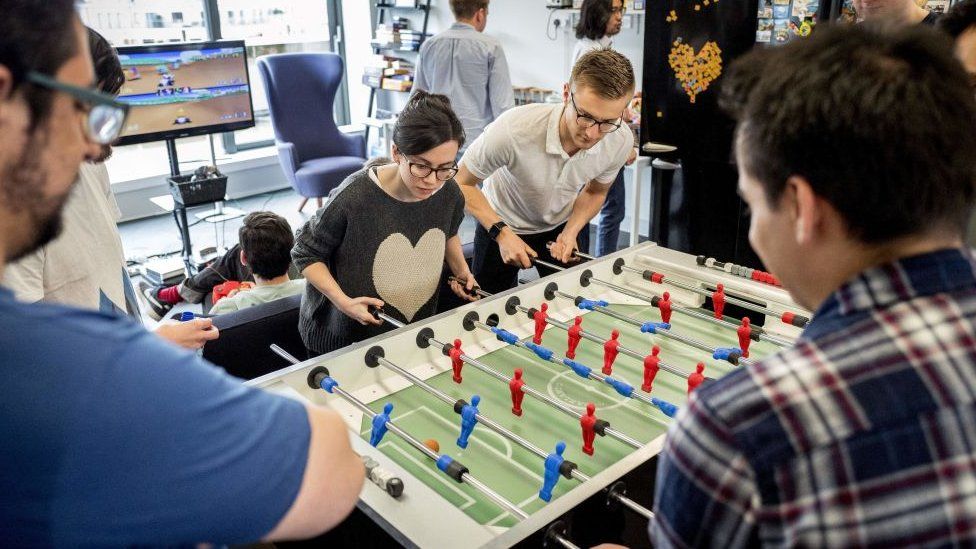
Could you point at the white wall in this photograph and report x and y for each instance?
(534, 59)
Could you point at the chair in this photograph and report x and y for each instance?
(244, 345)
(314, 154)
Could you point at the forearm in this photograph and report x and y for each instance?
(585, 208)
(318, 275)
(455, 258)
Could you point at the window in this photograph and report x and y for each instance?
(282, 26)
(133, 22)
(267, 26)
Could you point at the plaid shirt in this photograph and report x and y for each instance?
(863, 434)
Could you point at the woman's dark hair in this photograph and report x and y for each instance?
(426, 122)
(36, 35)
(108, 69)
(960, 17)
(594, 15)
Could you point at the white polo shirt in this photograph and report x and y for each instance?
(528, 178)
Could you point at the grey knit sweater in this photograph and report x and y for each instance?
(375, 246)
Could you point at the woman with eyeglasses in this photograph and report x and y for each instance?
(381, 240)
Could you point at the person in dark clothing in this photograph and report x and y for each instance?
(384, 234)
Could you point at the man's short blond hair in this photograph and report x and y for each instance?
(604, 71)
(465, 9)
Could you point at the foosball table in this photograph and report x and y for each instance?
(488, 425)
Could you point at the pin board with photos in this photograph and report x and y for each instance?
(848, 14)
(780, 21)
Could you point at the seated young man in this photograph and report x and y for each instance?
(265, 241)
(856, 153)
(195, 289)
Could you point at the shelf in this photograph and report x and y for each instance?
(392, 7)
(576, 11)
(396, 48)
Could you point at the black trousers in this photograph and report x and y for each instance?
(493, 275)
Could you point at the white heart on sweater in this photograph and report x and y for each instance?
(405, 275)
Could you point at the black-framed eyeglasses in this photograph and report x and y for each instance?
(423, 170)
(586, 121)
(105, 117)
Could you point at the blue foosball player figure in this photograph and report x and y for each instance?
(379, 425)
(468, 420)
(551, 475)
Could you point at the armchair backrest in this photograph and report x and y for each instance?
(301, 89)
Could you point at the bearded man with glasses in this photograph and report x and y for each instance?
(85, 266)
(112, 437)
(546, 170)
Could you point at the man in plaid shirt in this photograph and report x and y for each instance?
(856, 151)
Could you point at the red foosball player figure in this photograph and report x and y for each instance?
(610, 350)
(587, 422)
(515, 385)
(456, 362)
(696, 379)
(665, 306)
(540, 323)
(650, 368)
(574, 337)
(744, 333)
(718, 301)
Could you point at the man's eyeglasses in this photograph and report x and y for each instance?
(586, 121)
(423, 170)
(105, 117)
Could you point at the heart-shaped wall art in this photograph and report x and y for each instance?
(695, 71)
(405, 275)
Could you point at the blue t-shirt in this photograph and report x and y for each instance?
(110, 436)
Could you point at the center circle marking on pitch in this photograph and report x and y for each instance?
(567, 389)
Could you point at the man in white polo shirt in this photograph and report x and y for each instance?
(546, 170)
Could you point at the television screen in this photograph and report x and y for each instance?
(178, 90)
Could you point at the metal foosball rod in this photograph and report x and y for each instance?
(319, 378)
(426, 338)
(317, 381)
(602, 429)
(623, 388)
(757, 332)
(787, 317)
(513, 305)
(374, 355)
(731, 355)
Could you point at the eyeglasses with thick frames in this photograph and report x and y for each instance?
(586, 121)
(423, 170)
(105, 117)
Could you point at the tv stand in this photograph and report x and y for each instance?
(179, 211)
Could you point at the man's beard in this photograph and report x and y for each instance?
(22, 191)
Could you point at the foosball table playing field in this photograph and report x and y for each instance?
(487, 425)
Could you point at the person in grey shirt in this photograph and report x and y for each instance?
(384, 235)
(469, 67)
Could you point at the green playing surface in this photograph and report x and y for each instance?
(513, 471)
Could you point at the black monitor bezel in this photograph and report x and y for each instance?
(200, 130)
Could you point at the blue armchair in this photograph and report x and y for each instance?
(314, 154)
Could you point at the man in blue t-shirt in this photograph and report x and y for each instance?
(111, 436)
